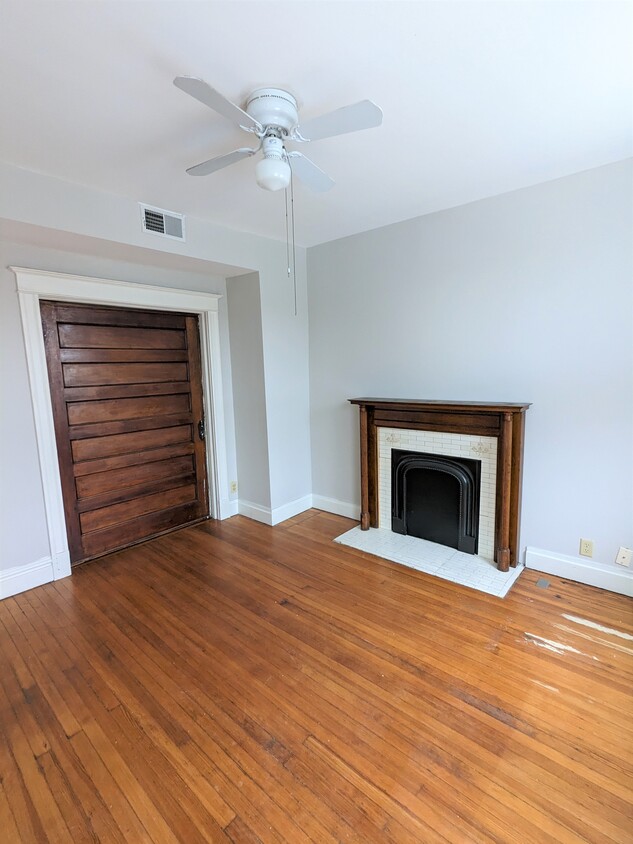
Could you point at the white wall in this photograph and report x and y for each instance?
(38, 212)
(523, 297)
(249, 399)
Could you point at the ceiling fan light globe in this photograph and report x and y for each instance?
(272, 173)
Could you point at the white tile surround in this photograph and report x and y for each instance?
(431, 558)
(452, 445)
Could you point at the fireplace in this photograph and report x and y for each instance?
(489, 432)
(436, 498)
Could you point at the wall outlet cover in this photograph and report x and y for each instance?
(624, 555)
(586, 547)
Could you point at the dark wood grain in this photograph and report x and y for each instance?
(233, 682)
(96, 374)
(197, 406)
(96, 447)
(504, 490)
(118, 479)
(129, 426)
(104, 411)
(127, 393)
(122, 495)
(134, 458)
(364, 470)
(74, 313)
(103, 517)
(121, 355)
(121, 391)
(99, 542)
(118, 337)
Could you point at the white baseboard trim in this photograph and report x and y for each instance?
(61, 565)
(574, 568)
(279, 514)
(254, 511)
(228, 507)
(20, 578)
(293, 508)
(340, 508)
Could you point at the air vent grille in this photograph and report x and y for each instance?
(154, 222)
(165, 223)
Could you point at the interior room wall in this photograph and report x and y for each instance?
(286, 371)
(526, 296)
(42, 212)
(22, 516)
(247, 362)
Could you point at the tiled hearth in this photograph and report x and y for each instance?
(431, 558)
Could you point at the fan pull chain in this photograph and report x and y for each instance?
(290, 231)
(294, 252)
(287, 233)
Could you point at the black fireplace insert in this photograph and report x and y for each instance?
(436, 497)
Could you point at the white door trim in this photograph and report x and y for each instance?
(33, 285)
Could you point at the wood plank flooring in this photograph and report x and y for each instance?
(233, 682)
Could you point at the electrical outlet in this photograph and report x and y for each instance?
(586, 547)
(233, 486)
(624, 555)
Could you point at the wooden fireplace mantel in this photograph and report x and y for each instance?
(505, 421)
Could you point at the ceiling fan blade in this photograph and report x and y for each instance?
(351, 118)
(204, 93)
(308, 173)
(220, 161)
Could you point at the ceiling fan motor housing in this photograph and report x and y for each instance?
(273, 107)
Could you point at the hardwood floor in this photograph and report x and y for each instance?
(233, 682)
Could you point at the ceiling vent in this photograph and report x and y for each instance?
(164, 223)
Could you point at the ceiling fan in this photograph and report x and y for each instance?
(272, 116)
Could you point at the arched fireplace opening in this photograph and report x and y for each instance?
(436, 497)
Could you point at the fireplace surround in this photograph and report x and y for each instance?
(503, 423)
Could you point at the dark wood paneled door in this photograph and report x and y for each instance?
(128, 410)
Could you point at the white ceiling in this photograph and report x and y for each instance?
(479, 98)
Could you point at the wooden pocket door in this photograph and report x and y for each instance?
(127, 404)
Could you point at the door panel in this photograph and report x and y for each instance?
(102, 541)
(89, 374)
(119, 479)
(127, 400)
(94, 447)
(111, 337)
(132, 459)
(120, 355)
(118, 513)
(122, 390)
(104, 411)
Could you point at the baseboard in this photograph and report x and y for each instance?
(340, 508)
(574, 568)
(20, 578)
(61, 565)
(293, 508)
(228, 507)
(255, 511)
(279, 514)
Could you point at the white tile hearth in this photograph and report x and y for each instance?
(431, 558)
